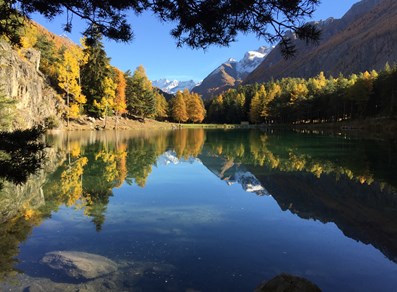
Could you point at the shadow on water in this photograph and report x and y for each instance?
(22, 154)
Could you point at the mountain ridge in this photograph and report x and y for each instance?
(363, 39)
(173, 86)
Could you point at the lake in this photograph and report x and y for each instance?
(203, 210)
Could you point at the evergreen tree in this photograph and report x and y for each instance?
(48, 57)
(93, 75)
(141, 100)
(215, 111)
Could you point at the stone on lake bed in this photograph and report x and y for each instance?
(81, 265)
(287, 283)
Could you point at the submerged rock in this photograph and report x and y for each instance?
(287, 283)
(79, 264)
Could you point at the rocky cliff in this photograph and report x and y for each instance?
(21, 80)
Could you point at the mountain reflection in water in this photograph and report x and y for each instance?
(349, 182)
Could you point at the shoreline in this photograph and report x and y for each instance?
(371, 128)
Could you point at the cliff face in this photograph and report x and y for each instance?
(364, 38)
(21, 81)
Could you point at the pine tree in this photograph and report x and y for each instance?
(93, 74)
(140, 96)
(48, 57)
(215, 111)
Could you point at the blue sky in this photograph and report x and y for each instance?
(156, 50)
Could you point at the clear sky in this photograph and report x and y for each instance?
(156, 50)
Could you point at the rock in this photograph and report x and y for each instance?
(79, 264)
(33, 56)
(21, 81)
(287, 283)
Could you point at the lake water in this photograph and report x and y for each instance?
(205, 210)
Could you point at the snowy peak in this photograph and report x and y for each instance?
(251, 61)
(231, 73)
(174, 86)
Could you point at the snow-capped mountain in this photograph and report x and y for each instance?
(251, 61)
(231, 73)
(173, 86)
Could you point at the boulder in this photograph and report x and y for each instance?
(287, 283)
(79, 265)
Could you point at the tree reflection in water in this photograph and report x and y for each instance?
(88, 166)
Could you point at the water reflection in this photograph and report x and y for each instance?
(331, 179)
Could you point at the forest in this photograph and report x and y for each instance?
(318, 99)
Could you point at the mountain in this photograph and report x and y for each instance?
(364, 38)
(231, 73)
(173, 86)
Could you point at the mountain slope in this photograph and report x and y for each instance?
(364, 38)
(231, 73)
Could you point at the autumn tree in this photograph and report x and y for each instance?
(69, 80)
(178, 109)
(161, 106)
(257, 105)
(106, 103)
(194, 106)
(196, 110)
(120, 104)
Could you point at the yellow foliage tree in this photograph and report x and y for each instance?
(161, 106)
(195, 108)
(29, 35)
(108, 100)
(257, 105)
(69, 78)
(299, 91)
(178, 110)
(120, 104)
